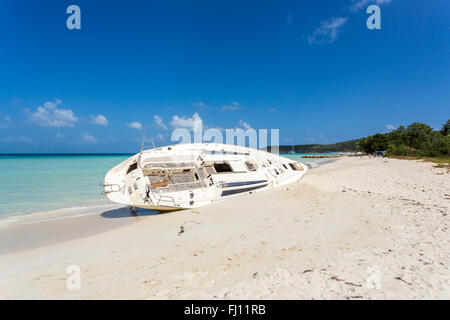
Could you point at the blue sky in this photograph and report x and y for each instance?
(139, 69)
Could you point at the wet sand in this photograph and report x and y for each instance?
(38, 233)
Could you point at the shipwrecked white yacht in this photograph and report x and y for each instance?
(193, 175)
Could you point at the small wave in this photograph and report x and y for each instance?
(317, 163)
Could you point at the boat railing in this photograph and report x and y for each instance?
(165, 198)
(145, 145)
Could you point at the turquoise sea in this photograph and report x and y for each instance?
(40, 183)
(37, 183)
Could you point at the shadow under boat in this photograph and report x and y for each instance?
(125, 213)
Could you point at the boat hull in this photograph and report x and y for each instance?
(188, 176)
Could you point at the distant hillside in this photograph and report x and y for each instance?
(346, 146)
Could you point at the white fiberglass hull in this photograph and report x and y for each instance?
(193, 175)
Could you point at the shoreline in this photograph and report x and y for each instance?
(62, 213)
(315, 239)
(331, 156)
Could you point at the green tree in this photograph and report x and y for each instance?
(377, 142)
(417, 133)
(446, 128)
(398, 136)
(436, 145)
(398, 150)
(362, 145)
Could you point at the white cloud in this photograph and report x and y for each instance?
(99, 119)
(5, 118)
(59, 135)
(312, 136)
(273, 110)
(231, 107)
(16, 139)
(25, 139)
(159, 122)
(87, 138)
(160, 137)
(4, 121)
(359, 4)
(201, 105)
(390, 127)
(135, 125)
(50, 115)
(184, 122)
(244, 125)
(327, 31)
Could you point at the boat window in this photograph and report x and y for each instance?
(132, 167)
(222, 167)
(285, 166)
(293, 166)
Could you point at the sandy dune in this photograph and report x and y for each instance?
(344, 229)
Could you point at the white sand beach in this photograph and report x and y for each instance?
(344, 229)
